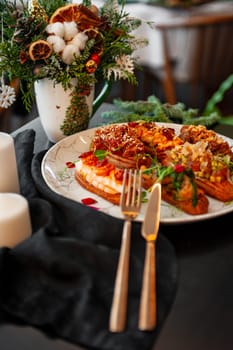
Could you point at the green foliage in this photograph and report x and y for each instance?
(153, 110)
(218, 96)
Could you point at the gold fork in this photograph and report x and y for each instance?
(130, 206)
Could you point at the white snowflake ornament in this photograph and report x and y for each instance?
(7, 96)
(124, 65)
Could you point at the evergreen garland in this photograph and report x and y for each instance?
(77, 115)
(154, 110)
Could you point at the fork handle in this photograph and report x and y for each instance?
(147, 310)
(120, 297)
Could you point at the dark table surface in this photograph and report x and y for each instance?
(201, 316)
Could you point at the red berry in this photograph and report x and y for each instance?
(95, 58)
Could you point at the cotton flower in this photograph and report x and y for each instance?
(57, 43)
(79, 40)
(70, 30)
(65, 30)
(56, 29)
(69, 52)
(67, 41)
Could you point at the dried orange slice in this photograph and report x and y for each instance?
(93, 34)
(99, 39)
(67, 13)
(40, 50)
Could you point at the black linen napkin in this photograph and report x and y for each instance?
(62, 278)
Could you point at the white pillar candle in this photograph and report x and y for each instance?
(15, 222)
(9, 181)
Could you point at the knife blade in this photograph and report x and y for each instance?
(149, 230)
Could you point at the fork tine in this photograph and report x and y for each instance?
(134, 190)
(129, 189)
(123, 188)
(139, 189)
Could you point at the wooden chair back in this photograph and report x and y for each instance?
(208, 51)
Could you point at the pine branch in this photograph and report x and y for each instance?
(154, 110)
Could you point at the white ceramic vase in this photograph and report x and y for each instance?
(52, 102)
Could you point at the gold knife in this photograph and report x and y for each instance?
(150, 228)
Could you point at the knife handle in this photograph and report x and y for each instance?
(147, 309)
(119, 305)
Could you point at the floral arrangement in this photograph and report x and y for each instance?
(63, 41)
